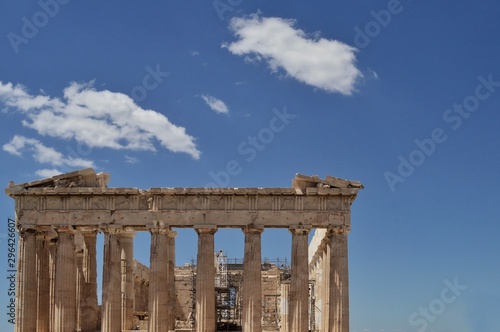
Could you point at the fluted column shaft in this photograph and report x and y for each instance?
(299, 282)
(325, 265)
(65, 283)
(127, 285)
(320, 288)
(42, 262)
(52, 278)
(316, 306)
(171, 279)
(80, 282)
(252, 281)
(111, 284)
(205, 320)
(26, 306)
(284, 297)
(339, 281)
(159, 288)
(89, 287)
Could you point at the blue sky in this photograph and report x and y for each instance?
(402, 95)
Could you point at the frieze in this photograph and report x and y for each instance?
(316, 202)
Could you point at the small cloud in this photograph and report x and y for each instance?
(373, 73)
(47, 173)
(17, 144)
(215, 104)
(131, 160)
(240, 83)
(326, 64)
(195, 53)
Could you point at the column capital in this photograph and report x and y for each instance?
(46, 233)
(128, 232)
(27, 229)
(339, 230)
(87, 230)
(252, 229)
(172, 234)
(110, 229)
(65, 229)
(299, 229)
(164, 230)
(205, 229)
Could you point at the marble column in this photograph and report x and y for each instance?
(88, 302)
(284, 302)
(320, 288)
(299, 282)
(205, 320)
(42, 261)
(252, 281)
(127, 285)
(26, 305)
(326, 285)
(171, 279)
(159, 313)
(111, 282)
(65, 283)
(339, 280)
(80, 280)
(52, 277)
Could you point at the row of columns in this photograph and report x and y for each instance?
(63, 297)
(57, 280)
(329, 269)
(335, 267)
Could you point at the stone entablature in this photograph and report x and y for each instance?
(319, 206)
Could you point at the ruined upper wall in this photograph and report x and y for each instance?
(84, 178)
(82, 198)
(305, 182)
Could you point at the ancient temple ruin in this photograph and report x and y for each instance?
(58, 220)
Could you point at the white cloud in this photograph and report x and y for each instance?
(215, 104)
(323, 63)
(17, 144)
(47, 173)
(131, 160)
(44, 154)
(373, 73)
(98, 119)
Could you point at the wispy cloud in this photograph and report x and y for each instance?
(131, 160)
(215, 104)
(323, 63)
(373, 73)
(97, 119)
(47, 173)
(43, 154)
